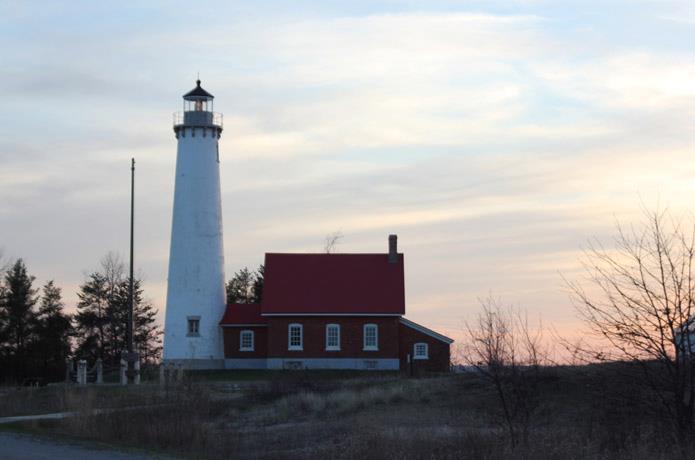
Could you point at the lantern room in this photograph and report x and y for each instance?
(197, 111)
(197, 100)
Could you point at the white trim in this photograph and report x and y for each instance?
(333, 347)
(331, 314)
(427, 350)
(366, 347)
(241, 340)
(195, 363)
(245, 363)
(374, 364)
(243, 325)
(291, 347)
(426, 331)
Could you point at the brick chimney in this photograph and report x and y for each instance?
(393, 249)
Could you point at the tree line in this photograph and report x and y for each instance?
(37, 335)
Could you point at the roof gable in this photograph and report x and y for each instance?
(242, 314)
(426, 331)
(333, 284)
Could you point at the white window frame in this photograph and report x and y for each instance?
(375, 346)
(301, 337)
(243, 333)
(190, 320)
(421, 356)
(335, 347)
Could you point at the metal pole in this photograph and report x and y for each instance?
(130, 300)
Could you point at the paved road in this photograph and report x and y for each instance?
(24, 447)
(26, 418)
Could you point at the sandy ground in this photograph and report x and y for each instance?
(24, 447)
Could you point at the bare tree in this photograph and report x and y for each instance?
(509, 354)
(331, 242)
(639, 298)
(113, 269)
(4, 264)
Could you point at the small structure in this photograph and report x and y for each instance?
(100, 371)
(332, 311)
(82, 372)
(79, 372)
(123, 370)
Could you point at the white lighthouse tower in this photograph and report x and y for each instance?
(195, 292)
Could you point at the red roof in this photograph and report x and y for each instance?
(333, 284)
(242, 313)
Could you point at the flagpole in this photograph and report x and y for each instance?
(130, 296)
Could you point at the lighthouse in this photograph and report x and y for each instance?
(195, 286)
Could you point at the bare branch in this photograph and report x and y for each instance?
(641, 304)
(332, 241)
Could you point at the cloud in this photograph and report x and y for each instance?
(626, 81)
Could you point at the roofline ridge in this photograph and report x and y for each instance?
(329, 254)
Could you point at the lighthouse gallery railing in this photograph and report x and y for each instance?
(198, 118)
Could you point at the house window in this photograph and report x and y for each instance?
(420, 351)
(246, 341)
(295, 339)
(193, 326)
(371, 337)
(332, 337)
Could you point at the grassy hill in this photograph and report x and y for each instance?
(583, 412)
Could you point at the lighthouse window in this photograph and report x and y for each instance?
(193, 326)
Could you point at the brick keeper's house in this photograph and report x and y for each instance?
(331, 311)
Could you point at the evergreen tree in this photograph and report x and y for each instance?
(146, 333)
(258, 284)
(3, 317)
(53, 331)
(92, 318)
(240, 287)
(102, 316)
(17, 307)
(246, 286)
(3, 325)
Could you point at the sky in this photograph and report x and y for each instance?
(496, 138)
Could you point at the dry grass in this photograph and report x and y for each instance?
(581, 417)
(68, 398)
(337, 403)
(182, 423)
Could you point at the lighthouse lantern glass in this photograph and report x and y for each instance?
(197, 105)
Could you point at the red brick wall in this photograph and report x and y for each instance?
(439, 353)
(351, 337)
(231, 342)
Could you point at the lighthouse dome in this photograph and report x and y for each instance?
(197, 93)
